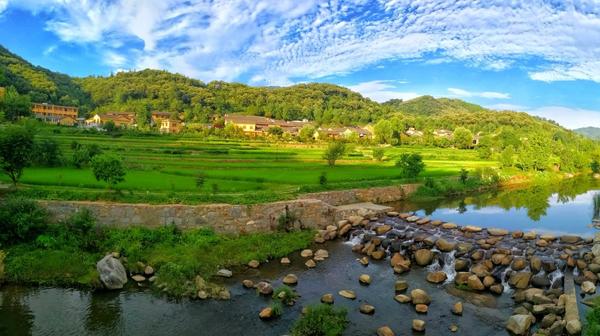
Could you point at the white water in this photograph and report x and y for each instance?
(448, 262)
(555, 276)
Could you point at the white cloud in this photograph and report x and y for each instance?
(284, 39)
(50, 50)
(507, 107)
(568, 117)
(485, 94)
(383, 90)
(113, 59)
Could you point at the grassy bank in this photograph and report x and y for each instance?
(66, 254)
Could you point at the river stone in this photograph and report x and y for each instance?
(540, 281)
(364, 261)
(290, 279)
(519, 264)
(472, 228)
(348, 294)
(306, 253)
(285, 261)
(519, 324)
(148, 270)
(461, 278)
(536, 264)
(497, 232)
(461, 265)
(529, 293)
(497, 289)
(488, 281)
(520, 280)
(367, 309)
(421, 308)
(573, 327)
(541, 299)
(266, 313)
(480, 270)
(253, 264)
(400, 286)
(418, 325)
(569, 239)
(385, 331)
(423, 221)
(436, 277)
(457, 308)
(541, 243)
(423, 257)
(378, 254)
(310, 263)
(112, 273)
(264, 288)
(419, 296)
(529, 235)
(517, 234)
(138, 278)
(225, 273)
(322, 254)
(344, 229)
(477, 255)
(445, 245)
(364, 279)
(248, 283)
(474, 283)
(412, 219)
(402, 298)
(382, 229)
(327, 298)
(588, 287)
(449, 226)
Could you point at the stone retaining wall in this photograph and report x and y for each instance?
(376, 195)
(313, 211)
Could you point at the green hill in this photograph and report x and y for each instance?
(590, 132)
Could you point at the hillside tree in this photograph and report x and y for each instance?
(16, 148)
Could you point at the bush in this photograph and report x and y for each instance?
(411, 165)
(21, 220)
(595, 166)
(285, 295)
(47, 153)
(464, 175)
(323, 178)
(592, 327)
(108, 168)
(378, 154)
(334, 151)
(321, 320)
(16, 149)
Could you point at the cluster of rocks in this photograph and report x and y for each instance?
(529, 265)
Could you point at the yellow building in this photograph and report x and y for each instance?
(55, 114)
(120, 119)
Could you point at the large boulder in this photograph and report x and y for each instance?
(112, 273)
(419, 296)
(520, 280)
(423, 257)
(475, 283)
(519, 324)
(436, 277)
(445, 245)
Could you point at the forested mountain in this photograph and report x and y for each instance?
(40, 84)
(590, 132)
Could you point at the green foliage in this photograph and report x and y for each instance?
(378, 153)
(334, 151)
(507, 157)
(16, 148)
(2, 257)
(13, 105)
(464, 175)
(47, 153)
(384, 132)
(323, 178)
(411, 165)
(285, 295)
(592, 328)
(109, 126)
(20, 220)
(287, 221)
(595, 167)
(200, 179)
(462, 138)
(275, 131)
(276, 308)
(321, 320)
(306, 133)
(108, 168)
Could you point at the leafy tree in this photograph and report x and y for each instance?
(464, 175)
(383, 132)
(109, 126)
(485, 147)
(306, 133)
(108, 168)
(462, 138)
(595, 166)
(411, 165)
(507, 157)
(20, 220)
(323, 178)
(378, 153)
(13, 105)
(47, 153)
(275, 131)
(334, 151)
(16, 148)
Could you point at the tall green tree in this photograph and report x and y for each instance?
(384, 132)
(14, 105)
(334, 151)
(108, 168)
(411, 165)
(462, 138)
(16, 148)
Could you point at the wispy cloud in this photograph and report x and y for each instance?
(383, 90)
(50, 50)
(507, 107)
(568, 117)
(285, 39)
(485, 94)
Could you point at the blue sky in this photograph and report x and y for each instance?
(541, 57)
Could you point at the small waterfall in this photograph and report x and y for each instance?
(575, 271)
(356, 237)
(447, 264)
(555, 276)
(504, 279)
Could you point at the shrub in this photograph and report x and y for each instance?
(47, 153)
(20, 220)
(334, 151)
(287, 220)
(378, 154)
(411, 165)
(200, 178)
(16, 148)
(108, 168)
(323, 178)
(285, 295)
(464, 175)
(593, 322)
(321, 320)
(595, 166)
(276, 308)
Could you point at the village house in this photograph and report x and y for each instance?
(120, 119)
(442, 133)
(257, 125)
(342, 132)
(55, 114)
(166, 122)
(412, 132)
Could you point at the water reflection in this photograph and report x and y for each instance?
(17, 318)
(103, 315)
(567, 207)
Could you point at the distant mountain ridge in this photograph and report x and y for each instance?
(590, 132)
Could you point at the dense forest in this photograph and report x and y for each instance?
(514, 138)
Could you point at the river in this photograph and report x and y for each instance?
(567, 208)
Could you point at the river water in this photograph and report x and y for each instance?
(137, 311)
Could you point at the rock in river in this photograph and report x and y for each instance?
(418, 325)
(367, 309)
(327, 298)
(519, 324)
(457, 309)
(385, 331)
(225, 273)
(112, 273)
(365, 279)
(348, 294)
(419, 296)
(264, 288)
(290, 279)
(423, 257)
(588, 287)
(445, 245)
(436, 277)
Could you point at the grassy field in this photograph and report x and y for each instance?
(166, 168)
